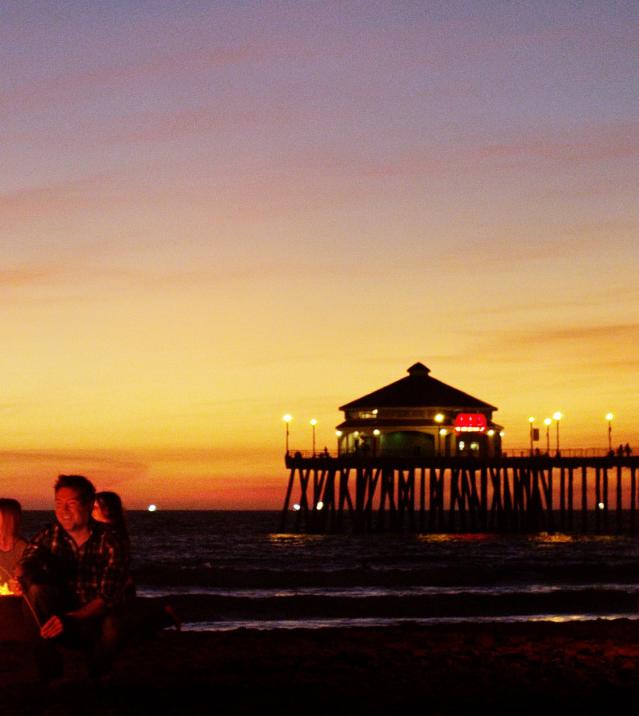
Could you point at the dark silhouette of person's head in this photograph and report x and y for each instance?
(108, 508)
(110, 504)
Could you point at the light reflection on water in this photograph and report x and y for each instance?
(553, 538)
(289, 538)
(457, 537)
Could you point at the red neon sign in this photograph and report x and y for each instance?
(471, 423)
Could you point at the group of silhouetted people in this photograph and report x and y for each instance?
(622, 450)
(74, 578)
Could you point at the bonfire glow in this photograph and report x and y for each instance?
(5, 590)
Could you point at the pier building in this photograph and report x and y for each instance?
(418, 416)
(422, 456)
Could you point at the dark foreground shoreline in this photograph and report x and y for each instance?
(579, 667)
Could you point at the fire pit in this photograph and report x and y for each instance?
(11, 616)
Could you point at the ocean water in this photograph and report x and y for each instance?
(229, 570)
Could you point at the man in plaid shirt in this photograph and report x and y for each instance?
(73, 574)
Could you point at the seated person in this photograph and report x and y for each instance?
(143, 616)
(109, 510)
(73, 576)
(11, 543)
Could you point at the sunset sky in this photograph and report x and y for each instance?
(213, 213)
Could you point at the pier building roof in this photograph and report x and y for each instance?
(418, 389)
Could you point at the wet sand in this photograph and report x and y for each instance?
(445, 669)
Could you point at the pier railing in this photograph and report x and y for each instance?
(511, 452)
(595, 494)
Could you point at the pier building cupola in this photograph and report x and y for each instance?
(419, 415)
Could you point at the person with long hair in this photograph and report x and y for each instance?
(108, 508)
(11, 543)
(146, 617)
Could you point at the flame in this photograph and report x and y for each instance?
(5, 590)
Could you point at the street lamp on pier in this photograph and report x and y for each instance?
(439, 419)
(609, 417)
(313, 424)
(557, 417)
(287, 419)
(547, 423)
(531, 420)
(442, 436)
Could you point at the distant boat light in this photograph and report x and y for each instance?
(152, 508)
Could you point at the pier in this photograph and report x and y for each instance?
(438, 494)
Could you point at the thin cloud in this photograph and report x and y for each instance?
(553, 343)
(215, 453)
(600, 143)
(79, 457)
(571, 33)
(53, 198)
(27, 277)
(94, 81)
(506, 245)
(212, 275)
(201, 121)
(588, 144)
(621, 332)
(504, 251)
(604, 296)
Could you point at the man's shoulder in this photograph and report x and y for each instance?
(45, 533)
(47, 539)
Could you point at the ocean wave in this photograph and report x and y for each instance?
(307, 605)
(381, 592)
(273, 624)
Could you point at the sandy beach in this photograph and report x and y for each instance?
(443, 669)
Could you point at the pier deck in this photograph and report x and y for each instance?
(457, 494)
